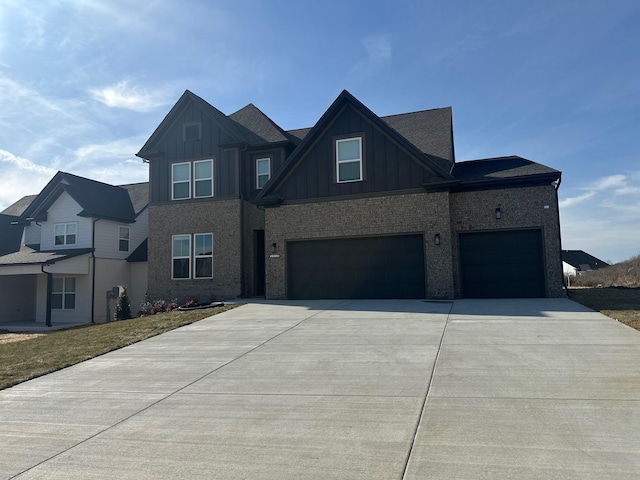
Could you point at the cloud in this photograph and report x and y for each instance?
(122, 95)
(378, 48)
(19, 177)
(612, 181)
(571, 201)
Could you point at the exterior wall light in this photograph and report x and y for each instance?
(498, 213)
(436, 239)
(274, 247)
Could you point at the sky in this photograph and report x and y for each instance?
(84, 83)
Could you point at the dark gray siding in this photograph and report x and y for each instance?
(387, 166)
(177, 150)
(277, 156)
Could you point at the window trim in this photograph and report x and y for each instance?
(186, 125)
(196, 257)
(122, 239)
(360, 160)
(66, 234)
(207, 160)
(64, 292)
(173, 182)
(258, 175)
(174, 257)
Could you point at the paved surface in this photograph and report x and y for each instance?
(539, 389)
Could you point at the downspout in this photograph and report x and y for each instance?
(93, 269)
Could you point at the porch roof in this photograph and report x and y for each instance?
(32, 256)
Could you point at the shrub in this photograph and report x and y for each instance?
(123, 307)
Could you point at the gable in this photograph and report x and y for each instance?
(390, 162)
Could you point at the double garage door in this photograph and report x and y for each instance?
(372, 267)
(502, 264)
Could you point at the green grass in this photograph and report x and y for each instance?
(622, 304)
(21, 361)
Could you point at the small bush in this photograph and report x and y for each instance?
(123, 307)
(623, 274)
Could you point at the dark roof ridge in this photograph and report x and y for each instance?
(416, 111)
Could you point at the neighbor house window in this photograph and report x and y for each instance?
(203, 255)
(349, 159)
(65, 233)
(191, 131)
(200, 256)
(181, 253)
(63, 293)
(180, 181)
(263, 171)
(203, 178)
(123, 239)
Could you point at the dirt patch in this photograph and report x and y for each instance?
(17, 337)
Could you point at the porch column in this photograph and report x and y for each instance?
(49, 290)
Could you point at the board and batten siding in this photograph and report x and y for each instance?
(107, 236)
(386, 165)
(65, 210)
(175, 149)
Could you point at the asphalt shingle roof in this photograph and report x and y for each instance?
(19, 207)
(499, 168)
(139, 195)
(579, 258)
(31, 256)
(263, 129)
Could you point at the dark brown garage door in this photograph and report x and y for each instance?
(375, 267)
(502, 264)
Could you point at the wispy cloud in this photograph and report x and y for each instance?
(19, 177)
(571, 201)
(123, 95)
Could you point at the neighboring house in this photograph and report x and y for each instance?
(358, 206)
(576, 262)
(78, 239)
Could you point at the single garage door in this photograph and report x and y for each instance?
(502, 264)
(373, 267)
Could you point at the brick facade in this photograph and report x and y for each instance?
(522, 208)
(222, 218)
(423, 213)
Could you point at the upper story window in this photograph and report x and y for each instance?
(191, 131)
(203, 178)
(349, 160)
(65, 234)
(263, 171)
(181, 179)
(123, 239)
(63, 293)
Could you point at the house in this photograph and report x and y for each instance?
(576, 262)
(358, 206)
(67, 248)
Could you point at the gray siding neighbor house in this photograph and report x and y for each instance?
(358, 206)
(70, 245)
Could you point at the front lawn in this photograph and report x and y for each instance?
(21, 361)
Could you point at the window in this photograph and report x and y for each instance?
(191, 131)
(203, 255)
(123, 239)
(65, 233)
(203, 178)
(263, 171)
(63, 293)
(349, 160)
(181, 181)
(181, 246)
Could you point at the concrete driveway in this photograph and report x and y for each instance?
(520, 389)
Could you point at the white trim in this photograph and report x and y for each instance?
(208, 160)
(258, 175)
(196, 256)
(351, 160)
(180, 257)
(174, 182)
(66, 233)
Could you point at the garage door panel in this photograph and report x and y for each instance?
(374, 267)
(506, 264)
